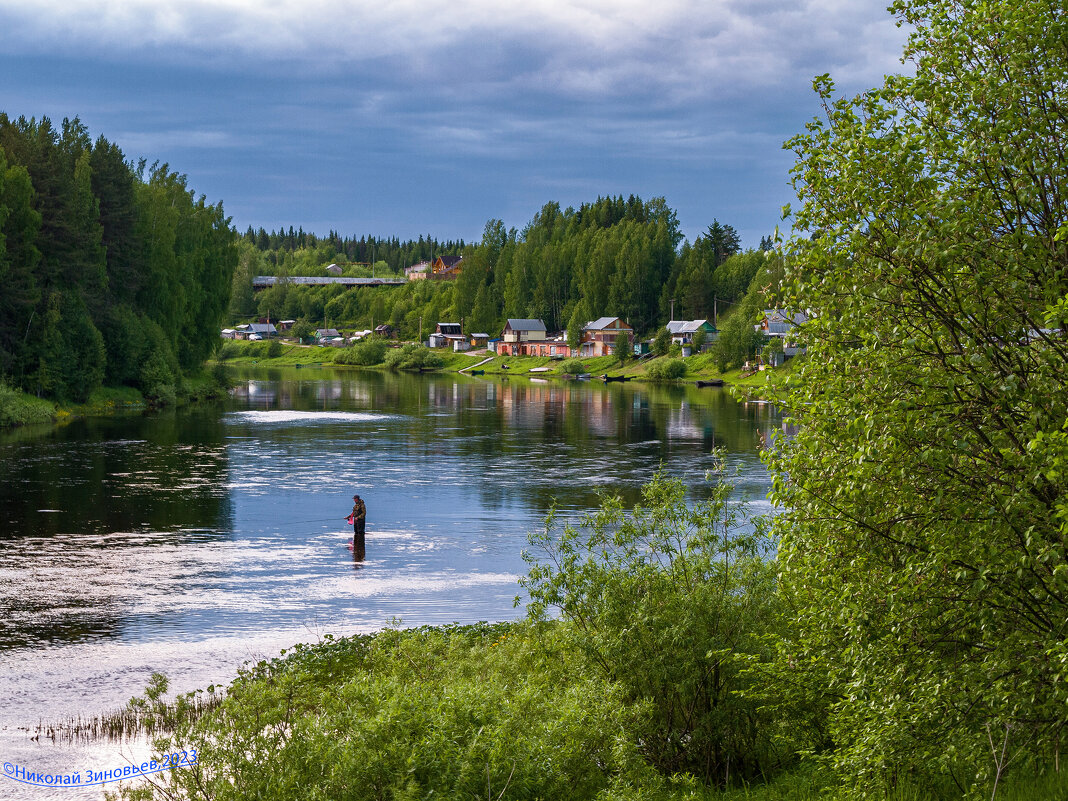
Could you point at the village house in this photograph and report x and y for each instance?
(682, 331)
(599, 337)
(326, 335)
(777, 324)
(448, 335)
(518, 334)
(334, 269)
(417, 272)
(478, 340)
(261, 330)
(447, 267)
(386, 331)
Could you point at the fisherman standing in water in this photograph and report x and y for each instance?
(358, 518)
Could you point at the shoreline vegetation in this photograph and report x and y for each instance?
(573, 701)
(18, 408)
(700, 367)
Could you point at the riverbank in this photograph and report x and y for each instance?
(18, 408)
(697, 368)
(449, 710)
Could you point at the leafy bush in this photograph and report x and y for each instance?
(673, 604)
(413, 357)
(17, 408)
(229, 349)
(666, 369)
(572, 367)
(274, 349)
(367, 352)
(424, 713)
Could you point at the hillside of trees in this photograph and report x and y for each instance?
(112, 273)
(615, 256)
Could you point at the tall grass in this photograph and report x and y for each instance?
(17, 408)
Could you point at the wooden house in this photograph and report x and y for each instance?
(518, 334)
(446, 267)
(599, 337)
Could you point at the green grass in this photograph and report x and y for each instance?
(700, 367)
(17, 408)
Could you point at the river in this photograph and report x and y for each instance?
(188, 542)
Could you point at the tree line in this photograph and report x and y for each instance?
(620, 257)
(113, 272)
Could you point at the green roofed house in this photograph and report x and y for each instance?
(682, 331)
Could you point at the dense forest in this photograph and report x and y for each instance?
(112, 273)
(613, 257)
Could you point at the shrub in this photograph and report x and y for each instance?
(413, 357)
(666, 369)
(673, 603)
(424, 713)
(572, 367)
(18, 408)
(228, 350)
(367, 352)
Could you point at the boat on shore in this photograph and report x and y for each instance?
(712, 382)
(609, 379)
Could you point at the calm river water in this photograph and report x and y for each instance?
(189, 542)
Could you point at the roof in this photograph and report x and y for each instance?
(264, 281)
(780, 316)
(599, 324)
(450, 261)
(525, 325)
(262, 328)
(326, 332)
(482, 336)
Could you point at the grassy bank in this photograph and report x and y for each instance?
(18, 408)
(657, 680)
(698, 368)
(449, 711)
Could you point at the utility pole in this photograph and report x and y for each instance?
(715, 311)
(673, 308)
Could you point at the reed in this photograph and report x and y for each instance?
(145, 715)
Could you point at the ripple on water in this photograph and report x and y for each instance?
(292, 416)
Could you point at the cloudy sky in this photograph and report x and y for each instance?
(408, 117)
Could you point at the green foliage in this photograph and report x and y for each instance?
(413, 357)
(662, 342)
(621, 348)
(367, 352)
(925, 496)
(738, 339)
(453, 713)
(673, 603)
(229, 350)
(93, 253)
(666, 369)
(18, 408)
(572, 367)
(302, 330)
